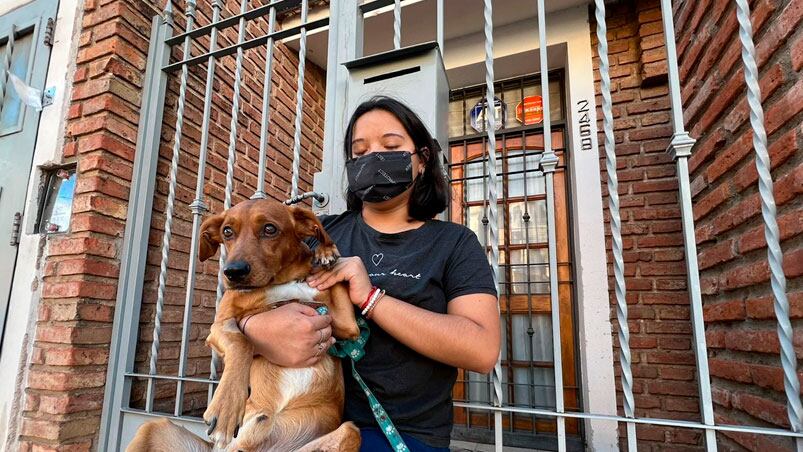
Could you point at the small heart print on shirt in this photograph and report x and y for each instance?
(377, 258)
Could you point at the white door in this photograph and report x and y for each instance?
(24, 52)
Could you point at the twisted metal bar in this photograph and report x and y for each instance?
(264, 133)
(7, 65)
(198, 207)
(549, 162)
(302, 56)
(232, 156)
(490, 119)
(616, 225)
(171, 200)
(680, 149)
(397, 24)
(769, 212)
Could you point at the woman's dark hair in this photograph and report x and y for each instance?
(430, 194)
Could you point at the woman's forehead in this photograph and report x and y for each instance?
(379, 123)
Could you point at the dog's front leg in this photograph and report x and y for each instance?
(225, 413)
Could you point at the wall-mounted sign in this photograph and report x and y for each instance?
(530, 110)
(478, 120)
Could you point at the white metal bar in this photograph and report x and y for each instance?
(302, 56)
(680, 149)
(439, 32)
(230, 161)
(769, 213)
(493, 198)
(264, 132)
(198, 208)
(637, 420)
(135, 247)
(548, 163)
(397, 24)
(616, 227)
(6, 65)
(171, 198)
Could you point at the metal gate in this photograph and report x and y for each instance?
(206, 149)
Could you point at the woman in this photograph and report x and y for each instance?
(439, 310)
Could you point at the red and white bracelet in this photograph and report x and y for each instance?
(370, 303)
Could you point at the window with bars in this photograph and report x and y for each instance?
(527, 356)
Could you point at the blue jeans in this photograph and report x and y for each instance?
(374, 441)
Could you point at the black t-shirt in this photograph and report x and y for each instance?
(426, 267)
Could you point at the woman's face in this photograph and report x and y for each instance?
(381, 131)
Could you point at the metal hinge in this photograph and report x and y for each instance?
(49, 29)
(15, 229)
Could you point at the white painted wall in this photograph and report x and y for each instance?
(22, 311)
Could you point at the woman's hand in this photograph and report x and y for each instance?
(293, 335)
(350, 270)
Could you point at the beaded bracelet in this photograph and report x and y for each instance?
(371, 294)
(372, 302)
(370, 309)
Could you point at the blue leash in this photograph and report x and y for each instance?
(355, 350)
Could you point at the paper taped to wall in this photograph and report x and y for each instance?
(30, 96)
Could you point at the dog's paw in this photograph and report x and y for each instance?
(325, 256)
(224, 416)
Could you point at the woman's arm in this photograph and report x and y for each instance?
(467, 336)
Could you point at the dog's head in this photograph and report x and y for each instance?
(263, 240)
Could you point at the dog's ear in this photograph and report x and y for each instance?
(307, 225)
(210, 237)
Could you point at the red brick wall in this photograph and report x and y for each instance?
(64, 392)
(741, 328)
(658, 308)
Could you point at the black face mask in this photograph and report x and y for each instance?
(380, 176)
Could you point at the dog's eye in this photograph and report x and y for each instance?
(269, 229)
(228, 232)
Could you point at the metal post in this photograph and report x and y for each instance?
(302, 56)
(135, 249)
(616, 227)
(198, 208)
(548, 163)
(769, 213)
(345, 44)
(171, 198)
(264, 133)
(680, 150)
(490, 116)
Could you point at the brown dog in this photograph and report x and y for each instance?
(259, 406)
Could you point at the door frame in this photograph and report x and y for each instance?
(31, 15)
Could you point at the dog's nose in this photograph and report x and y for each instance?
(236, 270)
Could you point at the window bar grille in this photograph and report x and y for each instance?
(548, 163)
(526, 223)
(302, 55)
(397, 24)
(769, 213)
(625, 361)
(680, 150)
(171, 200)
(198, 208)
(7, 64)
(490, 120)
(230, 161)
(264, 133)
